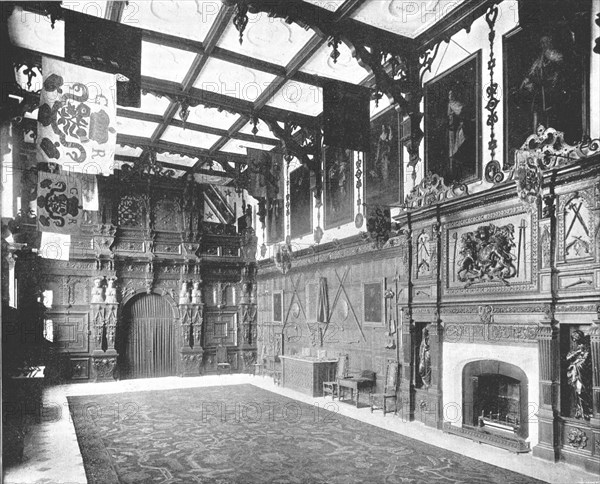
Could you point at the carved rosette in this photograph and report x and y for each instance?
(577, 438)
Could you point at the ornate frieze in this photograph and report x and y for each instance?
(490, 333)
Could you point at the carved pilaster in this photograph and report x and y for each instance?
(592, 464)
(549, 360)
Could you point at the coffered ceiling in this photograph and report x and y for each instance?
(191, 54)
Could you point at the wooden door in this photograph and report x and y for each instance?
(151, 337)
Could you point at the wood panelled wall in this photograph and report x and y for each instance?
(490, 277)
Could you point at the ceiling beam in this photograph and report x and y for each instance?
(192, 152)
(213, 36)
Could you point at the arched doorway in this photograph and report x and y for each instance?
(149, 344)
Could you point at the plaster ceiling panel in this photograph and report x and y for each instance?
(190, 137)
(239, 146)
(263, 130)
(135, 127)
(331, 5)
(176, 159)
(299, 97)
(34, 31)
(167, 17)
(152, 104)
(128, 150)
(405, 17)
(211, 117)
(266, 38)
(162, 62)
(345, 69)
(233, 80)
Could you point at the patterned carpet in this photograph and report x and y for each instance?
(243, 434)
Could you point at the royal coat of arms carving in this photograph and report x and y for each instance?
(486, 255)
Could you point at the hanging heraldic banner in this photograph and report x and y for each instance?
(77, 118)
(59, 203)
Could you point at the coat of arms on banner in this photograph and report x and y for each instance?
(77, 118)
(59, 203)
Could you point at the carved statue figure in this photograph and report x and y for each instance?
(111, 291)
(196, 293)
(425, 359)
(579, 375)
(184, 294)
(97, 291)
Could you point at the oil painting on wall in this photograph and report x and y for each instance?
(453, 122)
(339, 192)
(300, 200)
(383, 163)
(544, 80)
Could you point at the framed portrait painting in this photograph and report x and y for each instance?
(545, 79)
(453, 122)
(373, 303)
(300, 202)
(339, 189)
(383, 163)
(275, 222)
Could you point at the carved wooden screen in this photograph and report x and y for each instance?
(151, 338)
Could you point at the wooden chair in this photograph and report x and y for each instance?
(380, 400)
(222, 361)
(332, 387)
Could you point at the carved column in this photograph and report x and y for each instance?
(104, 354)
(549, 361)
(592, 464)
(191, 309)
(407, 384)
(247, 316)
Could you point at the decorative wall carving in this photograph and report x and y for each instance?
(431, 191)
(577, 438)
(490, 333)
(576, 224)
(495, 257)
(486, 255)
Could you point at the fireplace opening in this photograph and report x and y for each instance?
(497, 402)
(495, 396)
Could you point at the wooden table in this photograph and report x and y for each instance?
(306, 374)
(354, 384)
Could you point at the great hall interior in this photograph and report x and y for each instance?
(301, 241)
